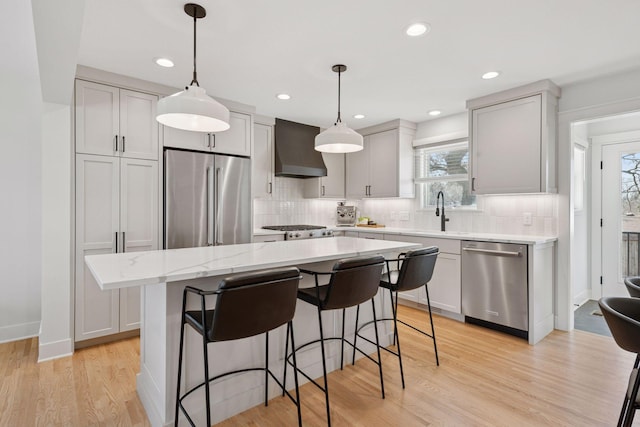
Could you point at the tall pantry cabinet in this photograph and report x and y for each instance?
(116, 183)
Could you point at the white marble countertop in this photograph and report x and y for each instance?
(457, 235)
(114, 271)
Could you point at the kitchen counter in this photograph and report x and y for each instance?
(114, 271)
(456, 235)
(162, 276)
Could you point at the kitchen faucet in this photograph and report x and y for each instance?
(443, 218)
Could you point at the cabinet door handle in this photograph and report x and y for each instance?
(323, 190)
(473, 184)
(116, 233)
(270, 191)
(124, 241)
(214, 140)
(115, 143)
(123, 142)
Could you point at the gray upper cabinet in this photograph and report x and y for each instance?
(384, 168)
(330, 186)
(115, 122)
(513, 140)
(236, 140)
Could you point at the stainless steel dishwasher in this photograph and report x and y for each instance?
(494, 286)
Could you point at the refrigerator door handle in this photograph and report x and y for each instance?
(218, 209)
(210, 211)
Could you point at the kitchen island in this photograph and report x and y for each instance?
(162, 276)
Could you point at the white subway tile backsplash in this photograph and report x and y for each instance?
(494, 214)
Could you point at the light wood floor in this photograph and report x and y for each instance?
(485, 378)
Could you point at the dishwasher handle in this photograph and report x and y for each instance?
(493, 252)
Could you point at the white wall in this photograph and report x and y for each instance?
(57, 291)
(20, 174)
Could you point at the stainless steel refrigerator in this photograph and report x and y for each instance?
(207, 199)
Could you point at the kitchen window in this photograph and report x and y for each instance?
(445, 168)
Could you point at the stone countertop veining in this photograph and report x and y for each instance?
(114, 271)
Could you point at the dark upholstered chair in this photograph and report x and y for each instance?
(269, 296)
(351, 282)
(633, 286)
(623, 318)
(412, 270)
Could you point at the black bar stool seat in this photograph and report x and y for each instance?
(623, 318)
(352, 281)
(247, 305)
(633, 286)
(413, 269)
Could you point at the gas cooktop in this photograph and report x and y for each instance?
(293, 227)
(295, 232)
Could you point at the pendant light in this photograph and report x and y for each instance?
(192, 109)
(339, 138)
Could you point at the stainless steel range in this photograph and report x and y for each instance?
(297, 232)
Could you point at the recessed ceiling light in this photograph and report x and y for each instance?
(418, 29)
(491, 75)
(435, 112)
(283, 96)
(358, 116)
(164, 62)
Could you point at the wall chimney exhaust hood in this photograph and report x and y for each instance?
(295, 154)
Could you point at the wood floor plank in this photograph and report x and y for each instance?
(485, 378)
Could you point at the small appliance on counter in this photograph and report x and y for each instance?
(345, 215)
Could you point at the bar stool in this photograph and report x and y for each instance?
(633, 286)
(352, 281)
(413, 269)
(623, 318)
(269, 296)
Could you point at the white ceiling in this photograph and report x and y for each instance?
(250, 50)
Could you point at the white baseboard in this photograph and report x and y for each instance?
(582, 297)
(19, 332)
(55, 350)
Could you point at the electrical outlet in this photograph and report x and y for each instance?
(526, 218)
(394, 216)
(404, 215)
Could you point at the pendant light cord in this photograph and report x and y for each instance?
(195, 74)
(339, 119)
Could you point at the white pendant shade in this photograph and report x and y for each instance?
(193, 110)
(338, 139)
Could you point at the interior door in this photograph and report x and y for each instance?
(620, 216)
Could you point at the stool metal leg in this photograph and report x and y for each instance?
(355, 336)
(324, 368)
(627, 401)
(342, 340)
(206, 364)
(433, 331)
(286, 352)
(630, 402)
(266, 369)
(295, 371)
(396, 338)
(375, 326)
(182, 322)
